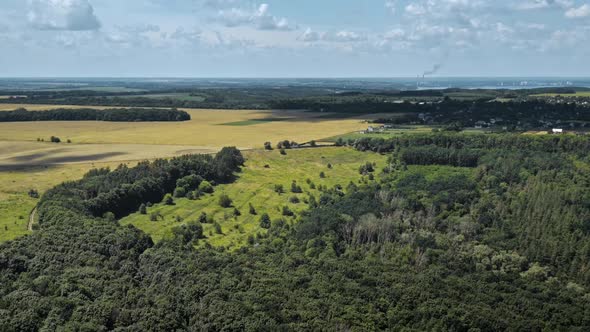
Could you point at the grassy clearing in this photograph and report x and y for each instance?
(255, 185)
(386, 134)
(15, 203)
(203, 130)
(14, 215)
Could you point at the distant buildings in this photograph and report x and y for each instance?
(557, 131)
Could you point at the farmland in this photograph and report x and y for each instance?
(26, 163)
(207, 128)
(256, 185)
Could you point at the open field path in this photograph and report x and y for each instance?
(32, 219)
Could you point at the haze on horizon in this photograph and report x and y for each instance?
(277, 38)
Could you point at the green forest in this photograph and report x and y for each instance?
(91, 114)
(458, 232)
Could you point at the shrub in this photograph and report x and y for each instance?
(179, 192)
(206, 187)
(225, 201)
(283, 152)
(217, 228)
(154, 216)
(55, 139)
(287, 212)
(322, 175)
(279, 189)
(142, 209)
(203, 218)
(294, 199)
(313, 144)
(252, 209)
(168, 200)
(265, 221)
(33, 193)
(295, 188)
(237, 212)
(267, 145)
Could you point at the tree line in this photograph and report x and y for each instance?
(90, 114)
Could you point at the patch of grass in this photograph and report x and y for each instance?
(385, 134)
(15, 204)
(255, 185)
(14, 215)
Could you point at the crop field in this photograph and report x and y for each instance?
(208, 128)
(26, 163)
(18, 155)
(256, 185)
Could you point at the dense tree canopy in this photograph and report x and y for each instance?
(90, 114)
(503, 244)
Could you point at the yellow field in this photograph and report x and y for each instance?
(15, 155)
(205, 130)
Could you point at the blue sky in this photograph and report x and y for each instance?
(288, 38)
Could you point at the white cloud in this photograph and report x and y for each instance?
(74, 15)
(543, 4)
(342, 36)
(310, 36)
(391, 5)
(260, 18)
(582, 11)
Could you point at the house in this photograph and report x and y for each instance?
(557, 131)
(370, 129)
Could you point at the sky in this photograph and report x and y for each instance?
(294, 38)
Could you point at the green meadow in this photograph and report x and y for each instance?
(256, 185)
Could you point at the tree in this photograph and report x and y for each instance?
(143, 209)
(294, 199)
(237, 212)
(283, 152)
(217, 228)
(329, 166)
(55, 139)
(179, 192)
(287, 212)
(33, 193)
(295, 188)
(265, 221)
(267, 145)
(252, 209)
(279, 189)
(206, 187)
(322, 175)
(313, 144)
(225, 201)
(168, 200)
(203, 218)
